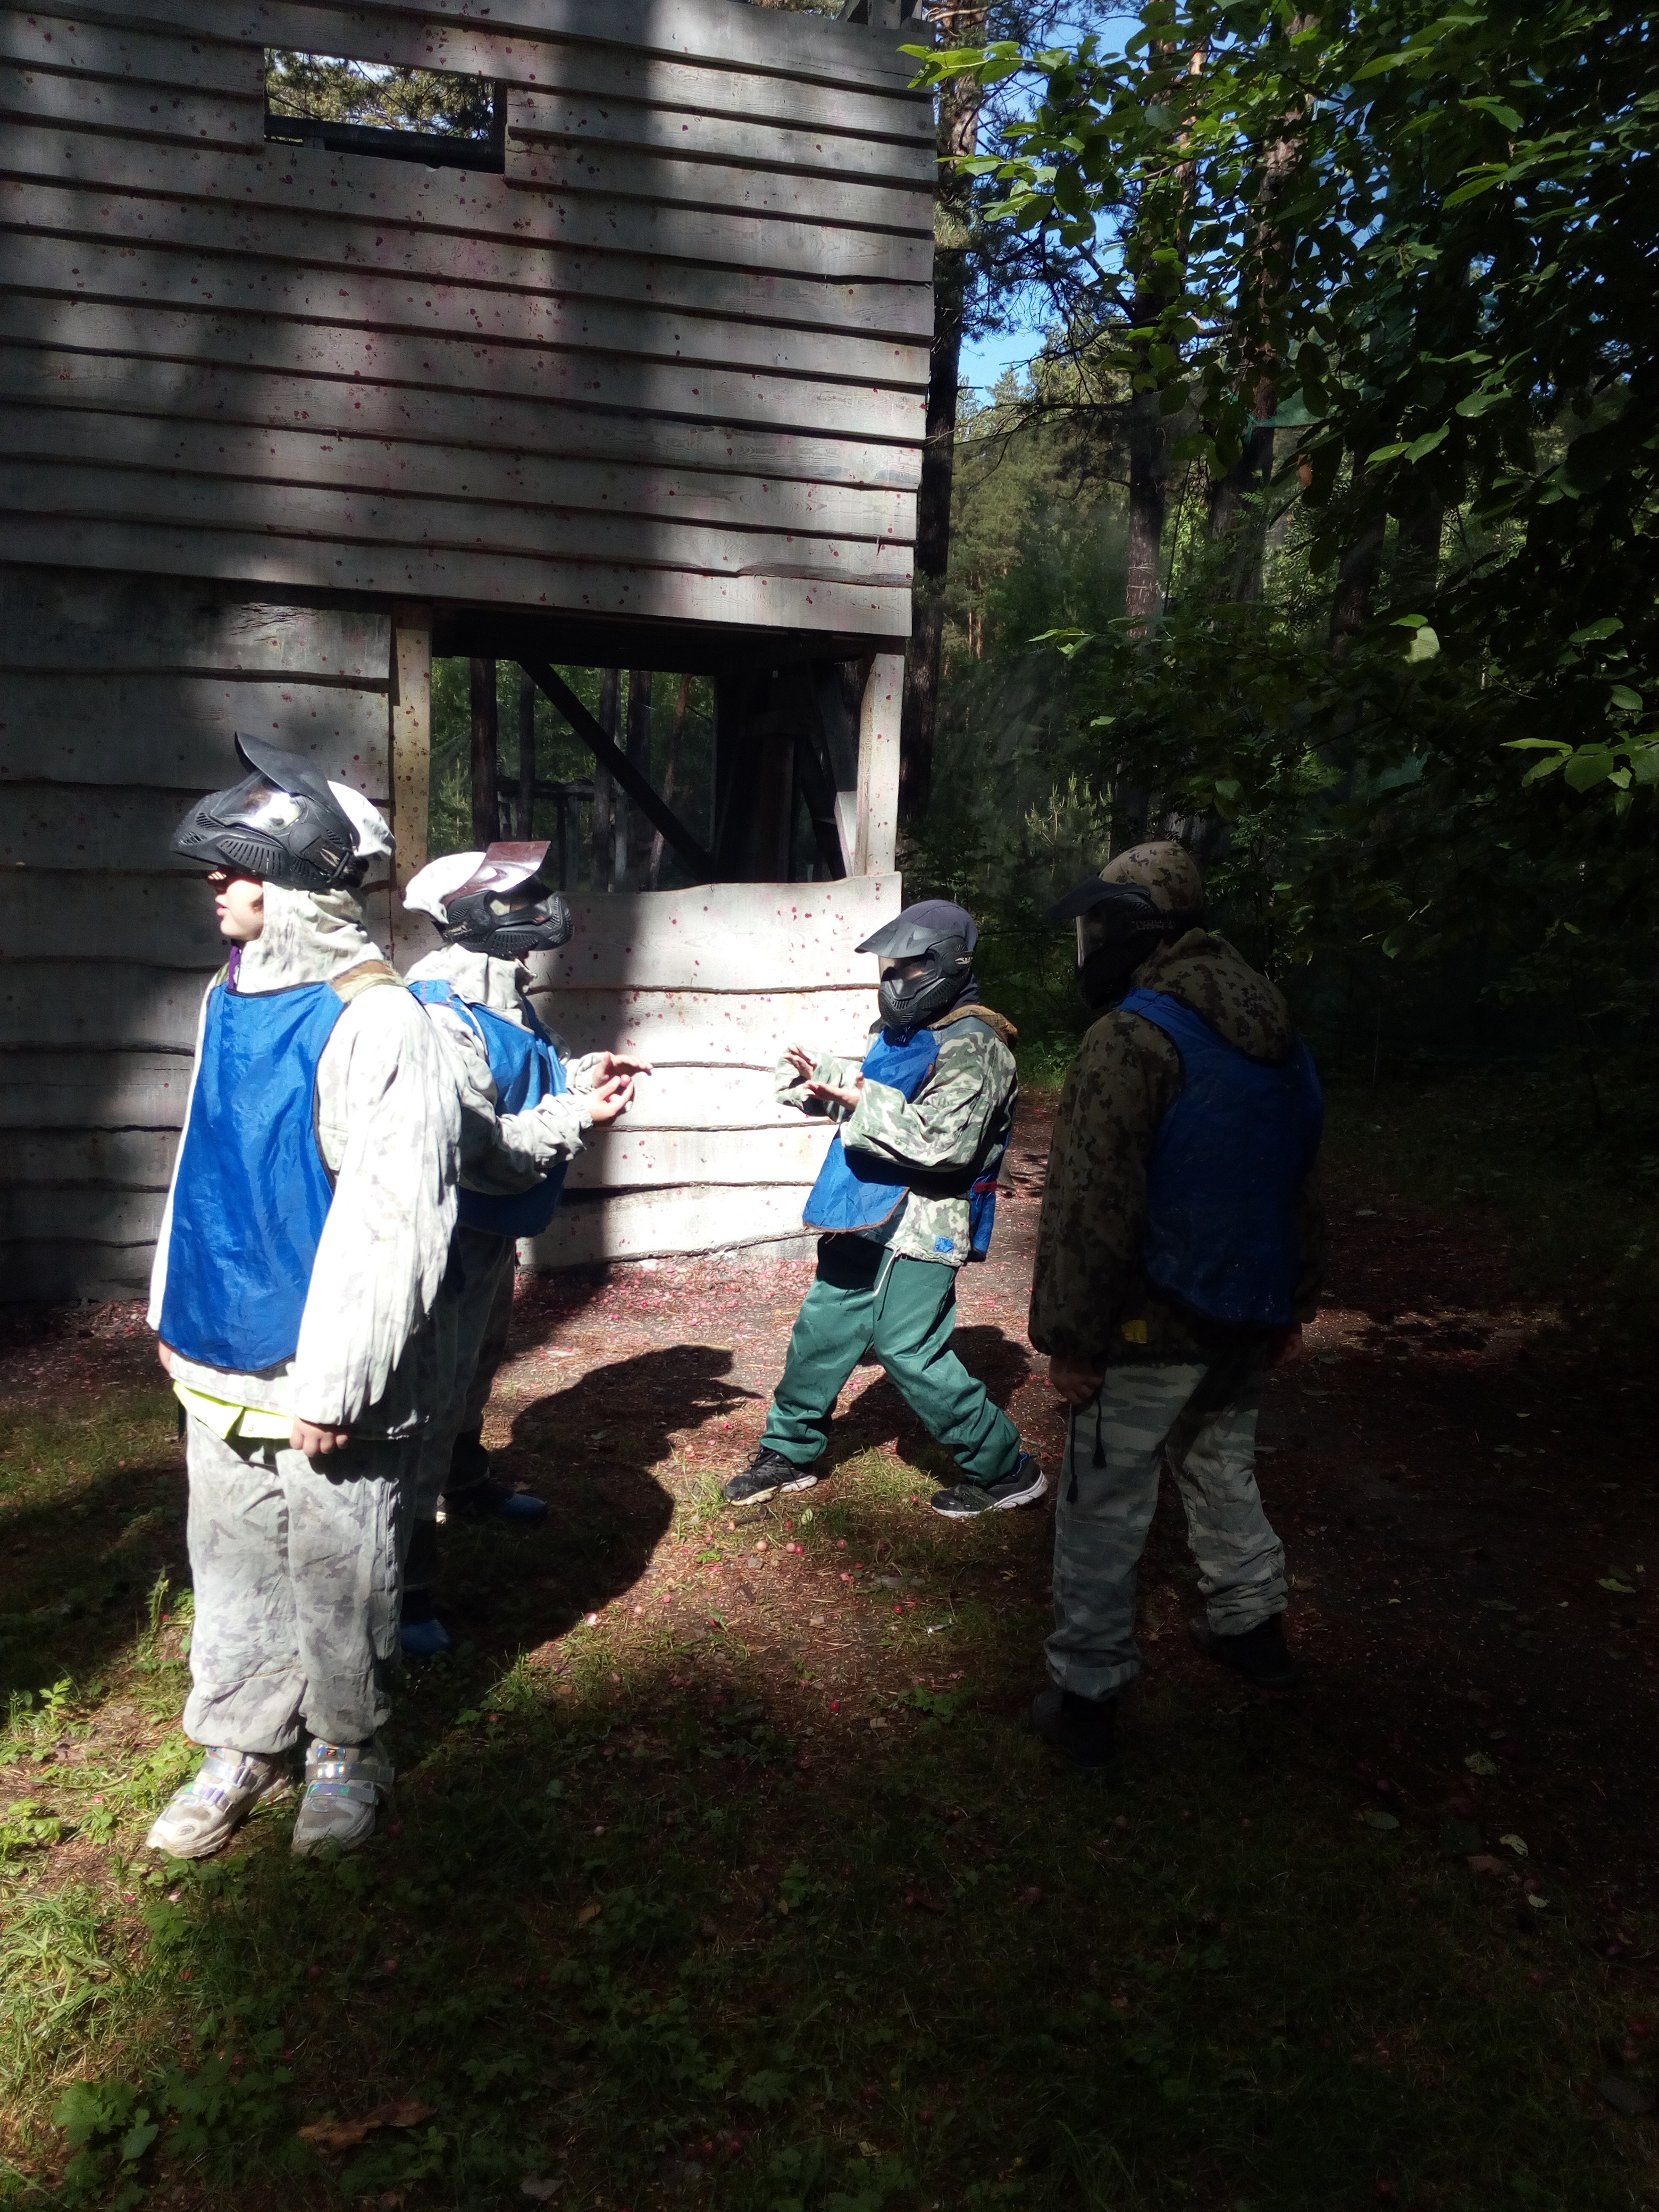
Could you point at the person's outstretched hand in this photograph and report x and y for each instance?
(800, 1060)
(619, 1063)
(610, 1099)
(844, 1094)
(1288, 1350)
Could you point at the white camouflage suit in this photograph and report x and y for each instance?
(502, 1155)
(296, 1561)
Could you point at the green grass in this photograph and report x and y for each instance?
(662, 1896)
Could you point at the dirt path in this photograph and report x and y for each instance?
(1469, 1502)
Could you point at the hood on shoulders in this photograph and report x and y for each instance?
(1218, 984)
(474, 976)
(998, 1024)
(309, 936)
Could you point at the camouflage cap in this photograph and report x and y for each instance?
(1165, 870)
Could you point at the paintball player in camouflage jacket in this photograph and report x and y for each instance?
(906, 1196)
(1178, 1255)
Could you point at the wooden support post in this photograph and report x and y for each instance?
(676, 739)
(639, 759)
(486, 738)
(878, 764)
(604, 795)
(524, 822)
(411, 759)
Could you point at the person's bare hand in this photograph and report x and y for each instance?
(316, 1443)
(609, 1099)
(1289, 1348)
(619, 1063)
(164, 1353)
(800, 1060)
(1077, 1382)
(844, 1094)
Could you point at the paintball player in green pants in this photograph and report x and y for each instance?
(906, 1196)
(1178, 1255)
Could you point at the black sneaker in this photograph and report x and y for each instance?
(1259, 1655)
(766, 1475)
(1083, 1730)
(494, 1500)
(1022, 1487)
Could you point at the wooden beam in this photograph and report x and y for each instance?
(610, 756)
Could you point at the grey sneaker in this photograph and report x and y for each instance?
(1022, 1487)
(201, 1818)
(766, 1475)
(344, 1784)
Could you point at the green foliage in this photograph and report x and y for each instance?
(379, 95)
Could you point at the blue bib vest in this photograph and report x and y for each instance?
(1227, 1171)
(524, 1069)
(852, 1196)
(251, 1193)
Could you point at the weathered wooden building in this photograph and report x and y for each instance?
(637, 380)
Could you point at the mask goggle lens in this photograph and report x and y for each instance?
(257, 804)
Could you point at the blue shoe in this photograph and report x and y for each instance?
(423, 1639)
(492, 1500)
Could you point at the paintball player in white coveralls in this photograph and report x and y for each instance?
(526, 1105)
(306, 1235)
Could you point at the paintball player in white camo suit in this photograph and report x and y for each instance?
(1178, 1255)
(526, 1105)
(305, 1238)
(906, 1196)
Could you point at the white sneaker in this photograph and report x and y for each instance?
(201, 1818)
(344, 1784)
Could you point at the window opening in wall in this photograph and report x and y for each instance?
(432, 116)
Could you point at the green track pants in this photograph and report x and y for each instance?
(866, 1300)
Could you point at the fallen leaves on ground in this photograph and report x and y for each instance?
(346, 2134)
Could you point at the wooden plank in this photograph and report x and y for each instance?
(114, 490)
(164, 921)
(111, 1159)
(723, 937)
(696, 1100)
(175, 732)
(93, 1090)
(649, 498)
(222, 122)
(715, 1030)
(795, 48)
(573, 117)
(878, 764)
(79, 825)
(327, 410)
(627, 1159)
(84, 624)
(845, 610)
(49, 1270)
(127, 1218)
(234, 283)
(350, 242)
(167, 919)
(651, 388)
(624, 172)
(469, 204)
(641, 1224)
(65, 44)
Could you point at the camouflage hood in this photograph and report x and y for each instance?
(1206, 973)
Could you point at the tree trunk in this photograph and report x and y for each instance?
(1143, 598)
(1351, 604)
(604, 792)
(959, 106)
(524, 822)
(676, 736)
(486, 739)
(638, 748)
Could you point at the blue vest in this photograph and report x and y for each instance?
(251, 1193)
(1226, 1173)
(524, 1069)
(852, 1195)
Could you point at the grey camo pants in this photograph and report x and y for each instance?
(473, 1313)
(294, 1563)
(1202, 1420)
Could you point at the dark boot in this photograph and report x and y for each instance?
(1259, 1655)
(472, 1492)
(1083, 1730)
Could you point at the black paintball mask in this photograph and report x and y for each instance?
(927, 956)
(1119, 925)
(281, 823)
(505, 907)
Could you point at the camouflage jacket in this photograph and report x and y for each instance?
(960, 1116)
(1089, 1300)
